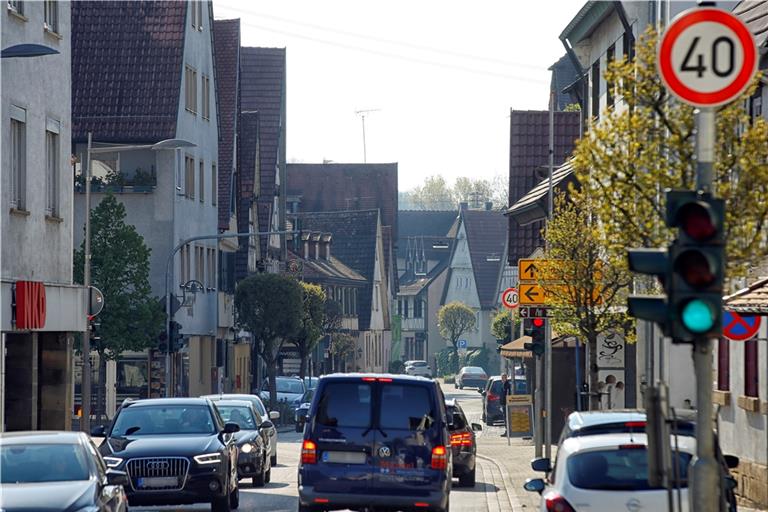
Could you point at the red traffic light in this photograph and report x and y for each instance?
(538, 322)
(696, 221)
(695, 268)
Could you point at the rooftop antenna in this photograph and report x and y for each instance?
(362, 114)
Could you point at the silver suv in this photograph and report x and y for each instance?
(418, 367)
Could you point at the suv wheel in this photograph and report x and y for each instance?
(260, 479)
(273, 460)
(299, 427)
(221, 504)
(468, 480)
(234, 498)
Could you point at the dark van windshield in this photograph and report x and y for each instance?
(345, 404)
(406, 407)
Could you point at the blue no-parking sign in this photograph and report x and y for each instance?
(739, 327)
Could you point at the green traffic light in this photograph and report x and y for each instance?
(698, 316)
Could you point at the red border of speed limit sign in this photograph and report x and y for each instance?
(504, 298)
(727, 93)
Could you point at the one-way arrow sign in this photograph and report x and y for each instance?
(529, 272)
(531, 294)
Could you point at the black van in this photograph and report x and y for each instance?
(376, 441)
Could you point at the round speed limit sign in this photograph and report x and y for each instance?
(510, 299)
(707, 57)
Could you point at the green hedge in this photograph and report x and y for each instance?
(449, 379)
(396, 367)
(447, 362)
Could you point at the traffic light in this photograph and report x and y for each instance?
(535, 328)
(655, 308)
(697, 264)
(175, 336)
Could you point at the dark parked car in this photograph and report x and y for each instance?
(376, 441)
(269, 431)
(303, 409)
(175, 451)
(463, 443)
(252, 443)
(57, 471)
(493, 407)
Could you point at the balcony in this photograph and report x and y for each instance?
(138, 182)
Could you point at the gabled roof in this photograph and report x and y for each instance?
(331, 186)
(416, 223)
(262, 89)
(354, 243)
(226, 47)
(244, 189)
(586, 20)
(563, 75)
(486, 237)
(752, 299)
(534, 205)
(755, 15)
(127, 59)
(528, 157)
(332, 271)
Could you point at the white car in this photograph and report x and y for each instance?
(606, 473)
(418, 367)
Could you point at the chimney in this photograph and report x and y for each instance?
(488, 206)
(325, 246)
(315, 246)
(463, 206)
(305, 244)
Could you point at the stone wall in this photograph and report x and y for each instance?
(753, 484)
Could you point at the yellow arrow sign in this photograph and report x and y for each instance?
(531, 294)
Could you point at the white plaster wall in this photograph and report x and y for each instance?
(462, 288)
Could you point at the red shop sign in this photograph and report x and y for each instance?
(30, 305)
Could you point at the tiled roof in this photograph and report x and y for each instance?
(528, 157)
(563, 75)
(486, 236)
(127, 59)
(753, 299)
(414, 223)
(332, 271)
(329, 187)
(534, 205)
(755, 15)
(435, 249)
(226, 47)
(262, 89)
(244, 188)
(354, 243)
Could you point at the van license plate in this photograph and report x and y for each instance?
(158, 482)
(344, 457)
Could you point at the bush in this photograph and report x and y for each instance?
(479, 357)
(450, 379)
(447, 362)
(396, 367)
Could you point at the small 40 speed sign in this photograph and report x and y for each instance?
(707, 57)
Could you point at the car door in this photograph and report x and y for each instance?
(410, 424)
(111, 497)
(343, 431)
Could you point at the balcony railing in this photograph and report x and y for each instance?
(139, 183)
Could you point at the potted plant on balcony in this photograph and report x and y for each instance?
(114, 181)
(144, 181)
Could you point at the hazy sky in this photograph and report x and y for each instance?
(442, 74)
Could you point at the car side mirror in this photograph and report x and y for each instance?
(534, 485)
(731, 461)
(266, 424)
(231, 428)
(274, 415)
(542, 464)
(115, 477)
(98, 431)
(481, 391)
(477, 427)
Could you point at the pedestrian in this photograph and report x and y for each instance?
(506, 389)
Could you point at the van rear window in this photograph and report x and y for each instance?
(345, 404)
(406, 407)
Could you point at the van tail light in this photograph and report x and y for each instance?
(556, 503)
(492, 397)
(631, 447)
(634, 424)
(439, 457)
(308, 452)
(461, 439)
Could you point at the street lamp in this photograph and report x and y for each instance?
(85, 425)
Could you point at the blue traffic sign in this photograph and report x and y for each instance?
(740, 327)
(462, 344)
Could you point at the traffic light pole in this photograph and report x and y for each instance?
(705, 484)
(168, 272)
(548, 391)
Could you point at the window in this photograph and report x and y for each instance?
(227, 272)
(206, 84)
(418, 305)
(196, 13)
(51, 15)
(623, 469)
(214, 184)
(202, 181)
(184, 255)
(16, 6)
(596, 89)
(190, 89)
(51, 173)
(628, 46)
(189, 177)
(212, 269)
(18, 182)
(405, 308)
(406, 407)
(751, 368)
(200, 264)
(345, 405)
(610, 56)
(723, 364)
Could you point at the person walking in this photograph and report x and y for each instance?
(506, 389)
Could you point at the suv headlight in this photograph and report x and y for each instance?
(113, 462)
(246, 448)
(207, 458)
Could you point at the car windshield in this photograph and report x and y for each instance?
(35, 463)
(238, 414)
(621, 469)
(406, 407)
(310, 382)
(289, 386)
(418, 363)
(162, 420)
(345, 404)
(473, 369)
(307, 397)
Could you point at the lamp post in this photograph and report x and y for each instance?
(85, 423)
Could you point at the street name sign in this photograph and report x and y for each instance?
(707, 57)
(738, 327)
(510, 299)
(534, 312)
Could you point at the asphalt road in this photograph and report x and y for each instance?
(488, 495)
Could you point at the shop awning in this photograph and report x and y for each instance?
(515, 348)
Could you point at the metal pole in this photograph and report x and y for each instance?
(85, 382)
(705, 484)
(578, 376)
(548, 326)
(365, 156)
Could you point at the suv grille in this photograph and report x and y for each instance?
(157, 467)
